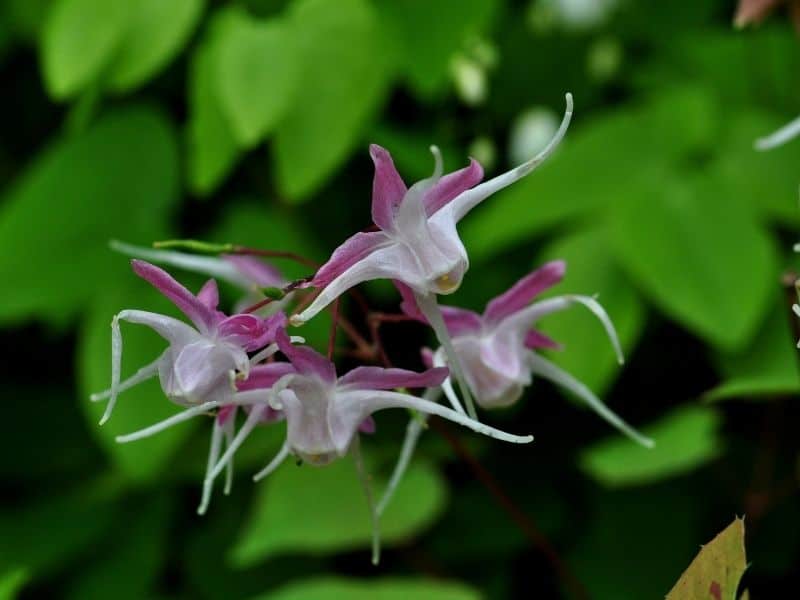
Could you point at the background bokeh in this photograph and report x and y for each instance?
(249, 122)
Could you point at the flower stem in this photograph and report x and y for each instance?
(363, 477)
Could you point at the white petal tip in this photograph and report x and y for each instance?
(95, 398)
(103, 421)
(647, 443)
(568, 98)
(296, 320)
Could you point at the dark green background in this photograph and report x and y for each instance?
(249, 122)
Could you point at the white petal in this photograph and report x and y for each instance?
(781, 136)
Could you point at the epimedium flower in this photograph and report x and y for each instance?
(323, 411)
(200, 363)
(498, 349)
(417, 241)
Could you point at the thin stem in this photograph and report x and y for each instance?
(523, 521)
(430, 309)
(364, 478)
(276, 254)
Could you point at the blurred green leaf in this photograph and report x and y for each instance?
(140, 406)
(766, 368)
(155, 32)
(116, 180)
(634, 538)
(79, 40)
(212, 149)
(12, 581)
(329, 588)
(431, 33)
(696, 250)
(129, 567)
(323, 510)
(717, 569)
(767, 179)
(256, 74)
(686, 438)
(346, 67)
(591, 269)
(48, 534)
(591, 172)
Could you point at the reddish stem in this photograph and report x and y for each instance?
(276, 254)
(334, 326)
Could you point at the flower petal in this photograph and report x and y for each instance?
(209, 294)
(388, 188)
(255, 270)
(786, 133)
(202, 366)
(392, 261)
(352, 407)
(353, 250)
(451, 185)
(250, 331)
(367, 425)
(459, 321)
(174, 331)
(201, 315)
(465, 202)
(536, 339)
(306, 360)
(377, 378)
(525, 290)
(265, 376)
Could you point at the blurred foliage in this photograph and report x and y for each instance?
(248, 121)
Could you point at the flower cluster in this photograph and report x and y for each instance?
(246, 367)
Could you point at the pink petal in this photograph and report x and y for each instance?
(265, 376)
(367, 425)
(209, 294)
(256, 270)
(458, 320)
(201, 315)
(535, 340)
(451, 185)
(427, 357)
(388, 188)
(306, 360)
(524, 291)
(250, 331)
(377, 378)
(354, 249)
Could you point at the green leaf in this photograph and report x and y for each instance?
(766, 368)
(589, 174)
(766, 179)
(79, 40)
(346, 66)
(155, 32)
(129, 566)
(330, 588)
(140, 406)
(45, 535)
(694, 247)
(717, 569)
(322, 510)
(431, 33)
(11, 582)
(686, 438)
(212, 147)
(591, 269)
(256, 74)
(629, 545)
(116, 180)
